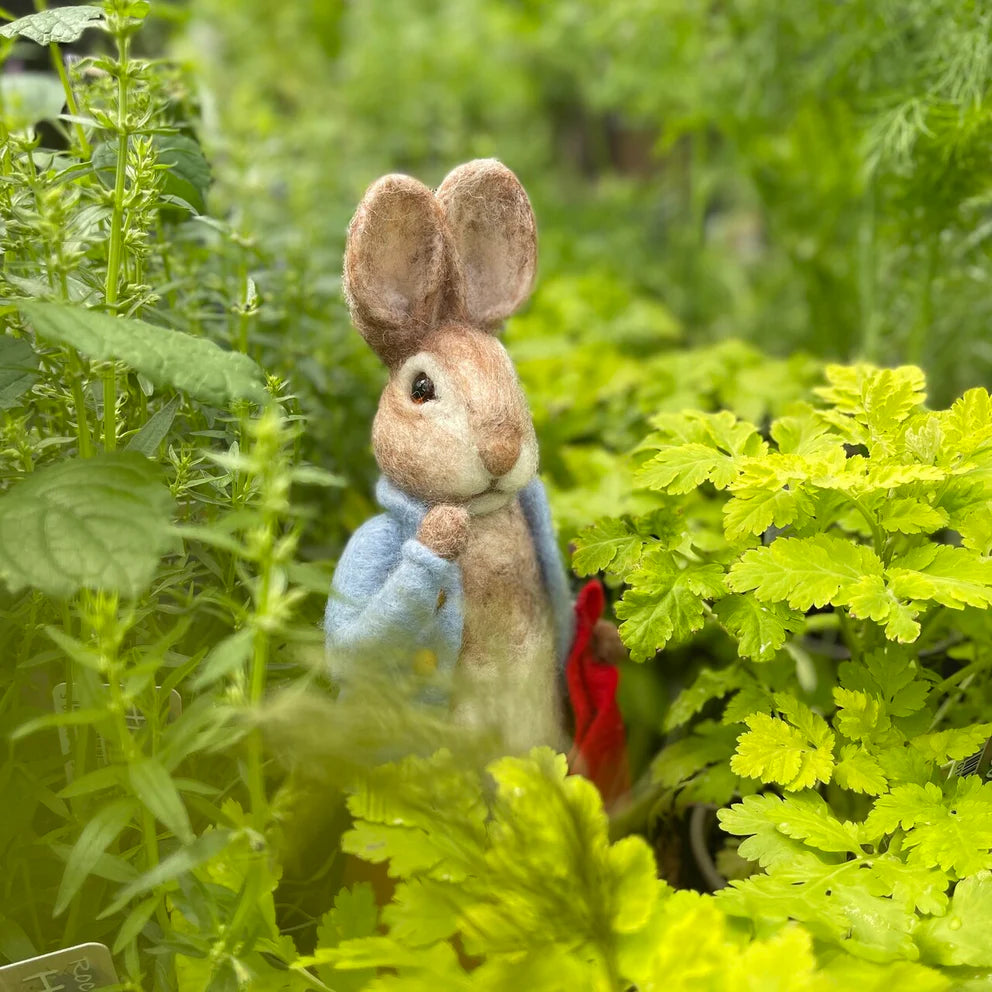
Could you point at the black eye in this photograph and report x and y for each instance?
(422, 389)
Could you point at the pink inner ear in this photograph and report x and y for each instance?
(396, 266)
(493, 232)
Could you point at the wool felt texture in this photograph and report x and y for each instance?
(415, 260)
(428, 278)
(476, 430)
(386, 598)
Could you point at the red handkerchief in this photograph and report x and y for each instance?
(600, 749)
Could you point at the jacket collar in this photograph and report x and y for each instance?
(406, 509)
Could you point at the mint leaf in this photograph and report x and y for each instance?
(18, 369)
(60, 24)
(94, 523)
(196, 366)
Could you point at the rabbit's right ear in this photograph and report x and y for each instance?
(396, 266)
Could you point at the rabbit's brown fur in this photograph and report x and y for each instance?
(428, 278)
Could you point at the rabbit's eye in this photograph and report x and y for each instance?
(422, 389)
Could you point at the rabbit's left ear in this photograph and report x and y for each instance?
(494, 236)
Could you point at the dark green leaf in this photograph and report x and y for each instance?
(185, 859)
(196, 366)
(18, 369)
(152, 785)
(224, 658)
(155, 430)
(60, 24)
(102, 828)
(96, 523)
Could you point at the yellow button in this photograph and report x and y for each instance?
(425, 662)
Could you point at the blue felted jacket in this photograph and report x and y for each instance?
(392, 597)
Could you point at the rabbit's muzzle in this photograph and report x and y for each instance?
(499, 452)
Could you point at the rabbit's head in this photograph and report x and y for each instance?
(429, 279)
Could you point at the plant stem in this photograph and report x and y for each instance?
(82, 424)
(259, 665)
(70, 98)
(878, 538)
(962, 675)
(116, 240)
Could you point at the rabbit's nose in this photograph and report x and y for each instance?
(500, 453)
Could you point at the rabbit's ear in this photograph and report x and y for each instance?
(396, 266)
(494, 238)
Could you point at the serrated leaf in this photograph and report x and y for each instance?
(59, 24)
(421, 912)
(608, 545)
(790, 756)
(954, 832)
(869, 598)
(804, 816)
(908, 515)
(860, 716)
(963, 935)
(831, 898)
(96, 523)
(858, 771)
(753, 511)
(919, 887)
(967, 425)
(186, 178)
(888, 396)
(953, 577)
(101, 829)
(153, 786)
(711, 447)
(708, 685)
(196, 366)
(18, 370)
(760, 628)
(408, 849)
(681, 469)
(664, 603)
(804, 572)
(955, 744)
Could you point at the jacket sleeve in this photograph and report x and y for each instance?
(384, 598)
(534, 500)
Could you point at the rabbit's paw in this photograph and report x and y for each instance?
(444, 530)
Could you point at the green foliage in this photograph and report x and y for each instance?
(112, 511)
(847, 566)
(466, 857)
(815, 564)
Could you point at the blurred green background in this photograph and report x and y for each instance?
(811, 178)
(727, 193)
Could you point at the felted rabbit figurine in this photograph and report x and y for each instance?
(461, 571)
